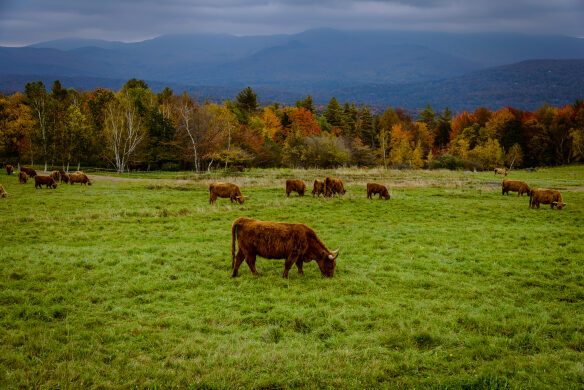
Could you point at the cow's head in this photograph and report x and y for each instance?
(240, 199)
(53, 183)
(559, 205)
(327, 262)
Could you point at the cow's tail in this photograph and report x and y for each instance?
(233, 237)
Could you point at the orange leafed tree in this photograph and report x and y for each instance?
(303, 122)
(461, 122)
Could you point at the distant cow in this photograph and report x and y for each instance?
(225, 190)
(500, 171)
(333, 186)
(29, 171)
(64, 176)
(3, 193)
(318, 188)
(9, 169)
(375, 188)
(545, 196)
(295, 185)
(48, 181)
(240, 168)
(514, 185)
(56, 175)
(295, 242)
(79, 177)
(22, 177)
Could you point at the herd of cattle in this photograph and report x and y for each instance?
(295, 242)
(49, 181)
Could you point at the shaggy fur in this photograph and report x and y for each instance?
(48, 181)
(56, 175)
(29, 171)
(375, 188)
(64, 176)
(318, 188)
(514, 185)
(501, 171)
(295, 185)
(9, 169)
(22, 177)
(295, 242)
(545, 196)
(333, 186)
(3, 193)
(225, 190)
(79, 177)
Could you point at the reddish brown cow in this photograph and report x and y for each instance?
(295, 242)
(9, 169)
(29, 171)
(79, 177)
(514, 185)
(56, 175)
(545, 196)
(375, 188)
(295, 185)
(22, 177)
(64, 176)
(225, 190)
(3, 193)
(500, 171)
(48, 181)
(318, 188)
(333, 186)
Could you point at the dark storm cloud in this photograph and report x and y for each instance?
(29, 21)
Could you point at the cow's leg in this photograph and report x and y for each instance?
(250, 260)
(288, 264)
(299, 263)
(238, 260)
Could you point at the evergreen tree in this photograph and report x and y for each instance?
(247, 101)
(334, 113)
(428, 116)
(366, 130)
(306, 103)
(350, 114)
(443, 128)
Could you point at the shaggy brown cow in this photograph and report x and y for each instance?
(333, 186)
(240, 168)
(500, 171)
(545, 196)
(375, 188)
(295, 242)
(295, 185)
(46, 180)
(514, 185)
(9, 169)
(64, 176)
(29, 171)
(3, 193)
(79, 177)
(56, 175)
(22, 177)
(225, 190)
(317, 188)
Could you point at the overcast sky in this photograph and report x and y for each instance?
(30, 21)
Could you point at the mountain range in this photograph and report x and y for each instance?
(408, 69)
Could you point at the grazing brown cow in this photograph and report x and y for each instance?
(295, 185)
(333, 186)
(46, 180)
(3, 193)
(295, 242)
(225, 190)
(514, 185)
(9, 169)
(22, 177)
(64, 176)
(318, 188)
(240, 168)
(545, 196)
(56, 175)
(500, 171)
(29, 171)
(79, 177)
(375, 188)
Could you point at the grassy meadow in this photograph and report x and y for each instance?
(126, 284)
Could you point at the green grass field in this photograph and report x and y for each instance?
(449, 284)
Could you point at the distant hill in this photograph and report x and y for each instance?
(388, 67)
(524, 85)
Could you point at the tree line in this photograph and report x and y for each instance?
(134, 128)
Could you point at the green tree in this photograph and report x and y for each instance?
(38, 101)
(443, 128)
(306, 103)
(428, 116)
(334, 113)
(365, 130)
(247, 101)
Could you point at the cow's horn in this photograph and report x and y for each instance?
(334, 254)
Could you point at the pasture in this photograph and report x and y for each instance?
(449, 284)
